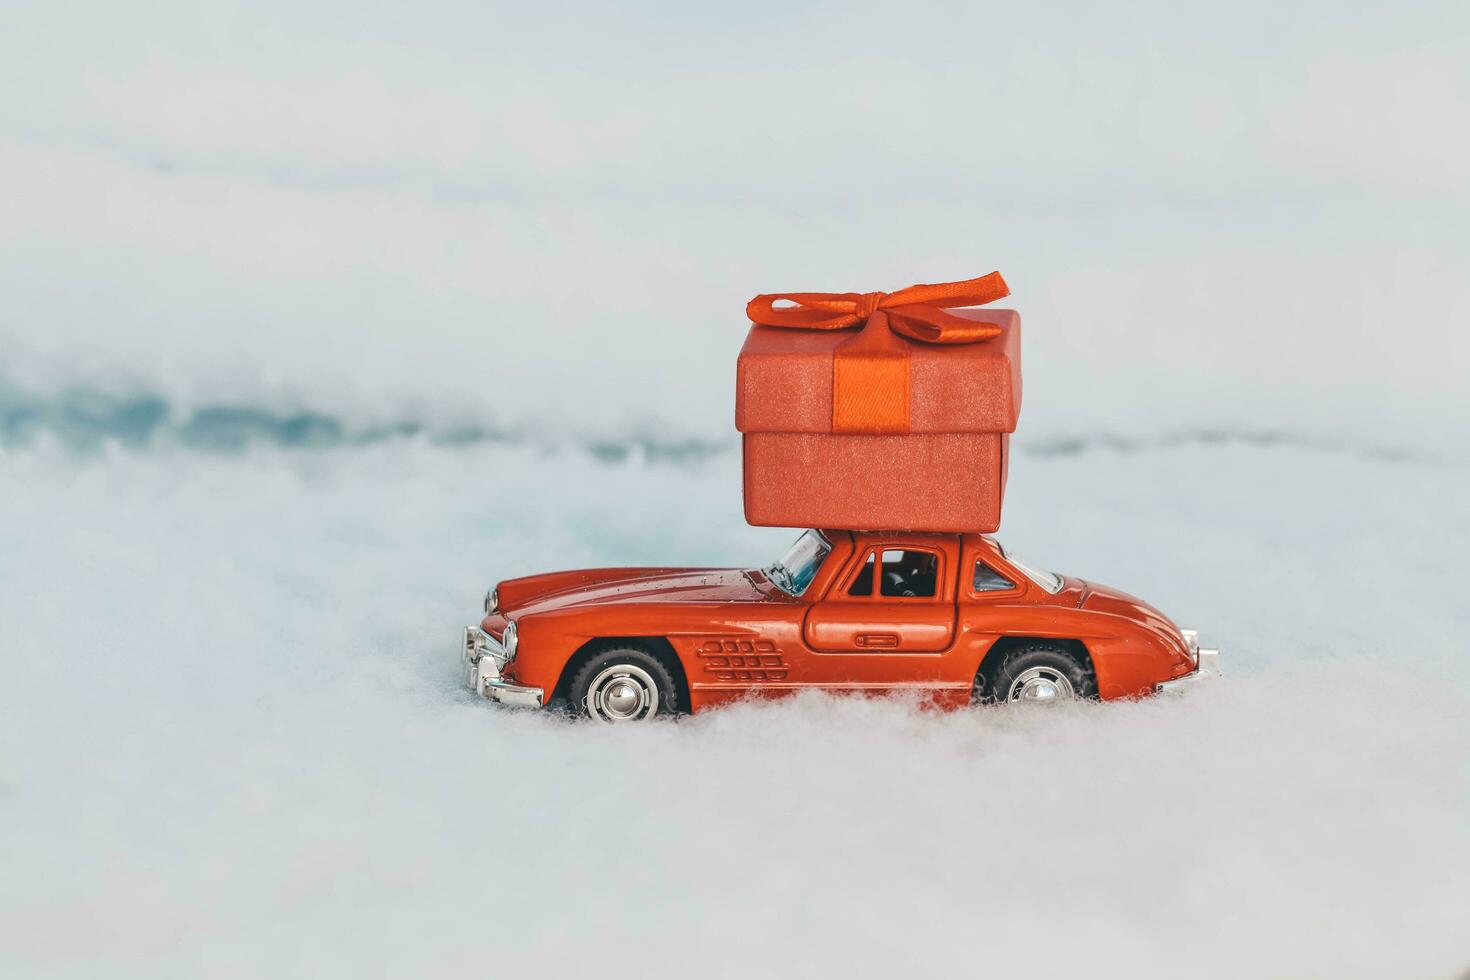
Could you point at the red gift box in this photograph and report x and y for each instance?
(874, 429)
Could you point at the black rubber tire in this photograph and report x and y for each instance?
(624, 653)
(995, 680)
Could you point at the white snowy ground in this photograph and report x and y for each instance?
(235, 741)
(291, 292)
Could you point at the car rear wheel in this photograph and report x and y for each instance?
(1039, 673)
(624, 684)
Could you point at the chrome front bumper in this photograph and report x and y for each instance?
(484, 658)
(1206, 664)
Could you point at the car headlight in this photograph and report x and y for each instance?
(508, 640)
(492, 601)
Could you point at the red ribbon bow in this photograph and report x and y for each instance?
(870, 370)
(916, 312)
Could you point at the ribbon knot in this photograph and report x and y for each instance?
(867, 305)
(916, 312)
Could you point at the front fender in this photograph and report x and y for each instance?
(545, 645)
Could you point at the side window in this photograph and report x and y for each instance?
(863, 584)
(988, 579)
(913, 574)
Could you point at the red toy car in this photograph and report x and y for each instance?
(952, 618)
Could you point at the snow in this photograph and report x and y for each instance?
(237, 741)
(320, 318)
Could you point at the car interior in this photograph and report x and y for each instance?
(906, 574)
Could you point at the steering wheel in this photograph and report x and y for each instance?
(895, 583)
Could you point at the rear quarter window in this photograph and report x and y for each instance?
(987, 579)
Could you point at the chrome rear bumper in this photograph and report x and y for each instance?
(1206, 664)
(483, 659)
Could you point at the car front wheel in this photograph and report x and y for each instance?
(1039, 673)
(624, 684)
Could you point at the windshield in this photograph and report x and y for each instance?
(1049, 581)
(793, 573)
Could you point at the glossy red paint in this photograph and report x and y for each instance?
(737, 634)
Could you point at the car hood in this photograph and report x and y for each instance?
(604, 587)
(1113, 602)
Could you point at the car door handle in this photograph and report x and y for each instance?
(878, 640)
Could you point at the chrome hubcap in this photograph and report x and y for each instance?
(1041, 685)
(622, 697)
(622, 692)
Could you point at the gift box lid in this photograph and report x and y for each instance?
(784, 379)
